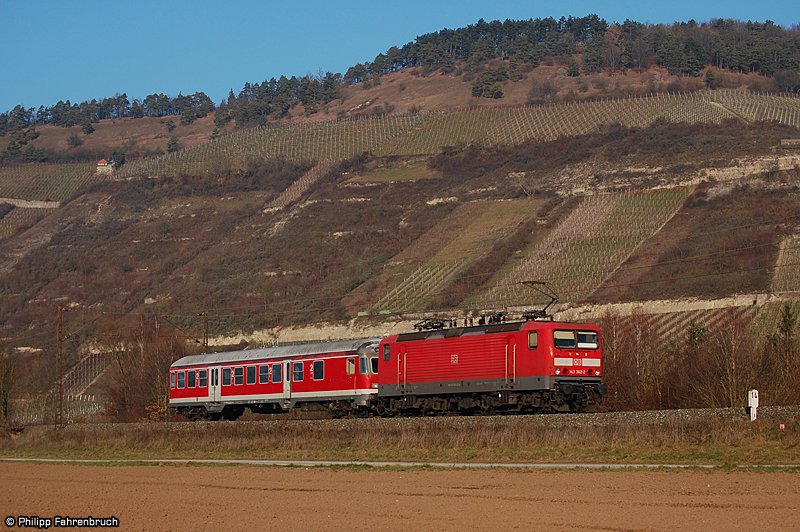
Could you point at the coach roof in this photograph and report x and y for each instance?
(283, 351)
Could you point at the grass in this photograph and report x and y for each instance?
(504, 440)
(486, 222)
(411, 172)
(449, 248)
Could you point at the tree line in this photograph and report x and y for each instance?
(66, 114)
(700, 367)
(586, 44)
(682, 48)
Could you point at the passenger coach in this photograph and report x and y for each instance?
(341, 376)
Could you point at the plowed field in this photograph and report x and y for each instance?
(271, 498)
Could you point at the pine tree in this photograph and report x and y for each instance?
(173, 145)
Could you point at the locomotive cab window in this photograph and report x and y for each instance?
(318, 370)
(387, 351)
(171, 379)
(373, 365)
(238, 375)
(297, 371)
(226, 376)
(351, 366)
(251, 374)
(533, 340)
(181, 379)
(564, 339)
(192, 379)
(202, 377)
(587, 340)
(362, 366)
(263, 374)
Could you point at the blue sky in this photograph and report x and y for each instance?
(78, 50)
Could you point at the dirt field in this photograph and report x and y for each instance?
(270, 498)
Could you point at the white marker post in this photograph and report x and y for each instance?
(752, 403)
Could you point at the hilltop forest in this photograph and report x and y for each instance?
(584, 45)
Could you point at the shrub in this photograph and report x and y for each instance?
(73, 141)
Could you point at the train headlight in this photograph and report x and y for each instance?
(374, 384)
(558, 371)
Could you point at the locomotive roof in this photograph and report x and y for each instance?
(510, 326)
(340, 346)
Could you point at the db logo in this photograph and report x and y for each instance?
(577, 362)
(454, 359)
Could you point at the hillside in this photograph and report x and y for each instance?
(403, 92)
(224, 235)
(624, 200)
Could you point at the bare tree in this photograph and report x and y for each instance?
(613, 48)
(140, 371)
(732, 366)
(8, 378)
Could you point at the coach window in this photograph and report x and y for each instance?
(351, 366)
(297, 370)
(192, 382)
(251, 374)
(564, 339)
(277, 372)
(533, 340)
(587, 340)
(226, 376)
(362, 365)
(263, 374)
(238, 375)
(318, 370)
(387, 351)
(171, 379)
(181, 379)
(202, 376)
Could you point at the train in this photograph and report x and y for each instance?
(525, 366)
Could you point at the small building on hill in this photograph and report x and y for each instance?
(105, 167)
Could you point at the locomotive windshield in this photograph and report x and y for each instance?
(587, 340)
(368, 359)
(575, 339)
(367, 366)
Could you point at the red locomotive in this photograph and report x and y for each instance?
(523, 366)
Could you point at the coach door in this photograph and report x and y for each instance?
(213, 385)
(287, 380)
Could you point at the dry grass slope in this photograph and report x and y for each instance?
(449, 248)
(586, 247)
(19, 219)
